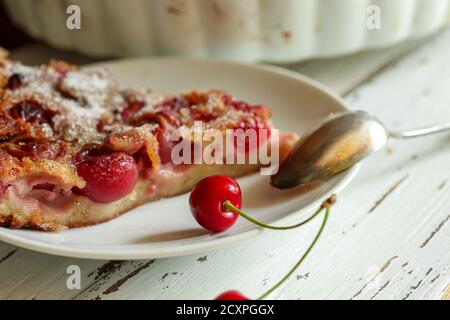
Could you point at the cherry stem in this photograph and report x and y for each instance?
(231, 207)
(299, 262)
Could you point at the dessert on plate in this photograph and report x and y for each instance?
(76, 150)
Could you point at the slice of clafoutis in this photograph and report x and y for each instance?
(75, 150)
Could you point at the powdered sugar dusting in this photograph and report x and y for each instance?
(80, 99)
(94, 90)
(38, 81)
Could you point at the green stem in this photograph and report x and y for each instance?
(302, 258)
(229, 206)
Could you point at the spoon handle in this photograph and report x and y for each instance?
(420, 132)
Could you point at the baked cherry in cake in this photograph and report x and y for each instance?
(109, 176)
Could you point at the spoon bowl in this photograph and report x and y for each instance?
(336, 144)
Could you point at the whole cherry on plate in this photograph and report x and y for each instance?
(207, 202)
(216, 202)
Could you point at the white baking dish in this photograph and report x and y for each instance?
(247, 30)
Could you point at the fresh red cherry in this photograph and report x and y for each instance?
(232, 295)
(207, 202)
(109, 176)
(216, 203)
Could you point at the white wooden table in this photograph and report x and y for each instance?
(388, 236)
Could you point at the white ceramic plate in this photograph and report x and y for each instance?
(166, 228)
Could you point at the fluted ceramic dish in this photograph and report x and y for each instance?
(245, 30)
(166, 227)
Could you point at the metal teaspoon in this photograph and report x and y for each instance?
(337, 144)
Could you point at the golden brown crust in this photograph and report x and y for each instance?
(9, 166)
(62, 169)
(35, 222)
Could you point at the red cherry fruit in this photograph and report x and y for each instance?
(109, 176)
(206, 202)
(232, 295)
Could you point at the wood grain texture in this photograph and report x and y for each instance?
(388, 236)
